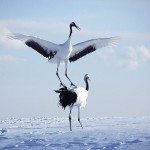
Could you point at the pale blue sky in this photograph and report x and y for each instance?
(120, 83)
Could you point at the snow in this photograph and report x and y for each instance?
(53, 133)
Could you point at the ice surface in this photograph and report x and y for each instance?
(54, 134)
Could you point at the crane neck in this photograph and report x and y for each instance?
(87, 84)
(70, 32)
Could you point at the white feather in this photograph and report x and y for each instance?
(97, 43)
(82, 95)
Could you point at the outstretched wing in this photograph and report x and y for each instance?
(84, 48)
(45, 48)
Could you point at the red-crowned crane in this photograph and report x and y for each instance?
(57, 53)
(74, 97)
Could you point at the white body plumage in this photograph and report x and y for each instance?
(82, 95)
(63, 53)
(74, 97)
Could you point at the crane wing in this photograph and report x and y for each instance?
(84, 48)
(45, 48)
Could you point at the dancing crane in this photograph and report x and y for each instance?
(57, 53)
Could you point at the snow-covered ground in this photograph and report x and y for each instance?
(54, 134)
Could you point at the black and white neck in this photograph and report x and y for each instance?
(72, 24)
(87, 84)
(70, 31)
(86, 78)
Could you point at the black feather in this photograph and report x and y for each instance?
(67, 97)
(36, 46)
(84, 52)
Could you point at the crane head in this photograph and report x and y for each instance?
(72, 24)
(86, 77)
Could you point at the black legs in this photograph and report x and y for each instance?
(70, 120)
(80, 123)
(79, 117)
(67, 75)
(61, 84)
(68, 78)
(59, 78)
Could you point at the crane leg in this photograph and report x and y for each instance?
(79, 118)
(67, 75)
(70, 120)
(58, 75)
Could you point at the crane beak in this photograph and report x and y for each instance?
(77, 27)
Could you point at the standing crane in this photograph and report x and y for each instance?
(74, 97)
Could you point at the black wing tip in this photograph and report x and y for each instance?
(84, 52)
(36, 46)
